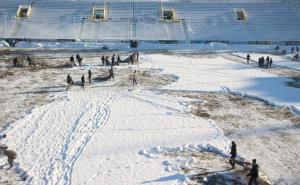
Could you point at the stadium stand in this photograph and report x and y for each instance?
(196, 21)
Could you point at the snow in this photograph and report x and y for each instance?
(70, 45)
(220, 74)
(148, 123)
(116, 135)
(180, 47)
(106, 147)
(4, 44)
(280, 60)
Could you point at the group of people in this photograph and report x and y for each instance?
(70, 81)
(265, 63)
(253, 171)
(293, 49)
(105, 61)
(116, 60)
(262, 62)
(277, 49)
(113, 60)
(296, 56)
(10, 154)
(135, 55)
(284, 52)
(133, 43)
(78, 59)
(248, 58)
(16, 62)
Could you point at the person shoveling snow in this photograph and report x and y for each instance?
(10, 154)
(69, 82)
(253, 173)
(233, 154)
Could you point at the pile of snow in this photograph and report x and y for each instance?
(159, 150)
(179, 47)
(71, 45)
(4, 44)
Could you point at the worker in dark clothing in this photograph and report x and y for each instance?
(296, 57)
(284, 52)
(137, 56)
(80, 61)
(15, 61)
(134, 82)
(77, 57)
(103, 60)
(111, 73)
(113, 60)
(90, 76)
(268, 62)
(106, 61)
(297, 49)
(292, 49)
(29, 61)
(69, 81)
(131, 58)
(11, 156)
(232, 154)
(118, 60)
(72, 60)
(277, 49)
(253, 173)
(248, 58)
(82, 82)
(261, 62)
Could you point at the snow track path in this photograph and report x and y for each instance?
(54, 135)
(142, 119)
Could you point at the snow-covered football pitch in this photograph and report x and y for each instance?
(177, 122)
